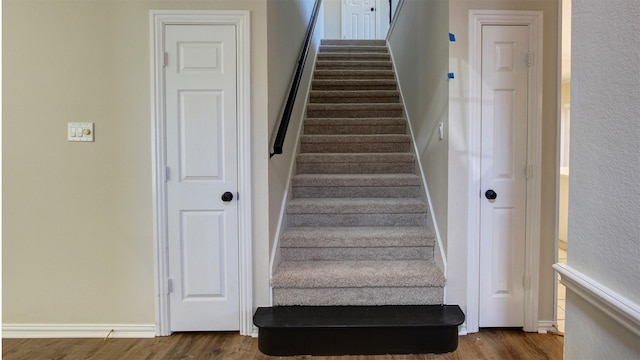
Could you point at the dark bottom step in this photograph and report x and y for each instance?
(358, 330)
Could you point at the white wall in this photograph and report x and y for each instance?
(604, 192)
(459, 140)
(78, 234)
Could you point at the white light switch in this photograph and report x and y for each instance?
(80, 131)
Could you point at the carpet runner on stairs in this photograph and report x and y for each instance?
(357, 257)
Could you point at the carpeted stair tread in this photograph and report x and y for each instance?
(354, 274)
(338, 139)
(356, 206)
(356, 180)
(353, 74)
(362, 163)
(370, 42)
(355, 185)
(373, 236)
(354, 56)
(354, 96)
(359, 64)
(346, 126)
(355, 158)
(353, 48)
(354, 84)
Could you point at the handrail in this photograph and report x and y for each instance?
(293, 91)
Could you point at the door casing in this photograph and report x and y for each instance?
(241, 20)
(533, 20)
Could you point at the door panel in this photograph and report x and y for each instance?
(503, 164)
(358, 20)
(200, 90)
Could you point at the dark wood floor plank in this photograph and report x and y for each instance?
(487, 344)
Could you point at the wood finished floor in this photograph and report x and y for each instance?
(487, 344)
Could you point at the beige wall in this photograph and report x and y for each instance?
(458, 146)
(78, 233)
(419, 45)
(332, 19)
(288, 21)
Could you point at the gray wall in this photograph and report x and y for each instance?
(604, 192)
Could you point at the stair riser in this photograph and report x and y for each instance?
(356, 192)
(353, 49)
(338, 86)
(376, 42)
(354, 113)
(354, 129)
(353, 99)
(353, 57)
(358, 296)
(360, 253)
(333, 220)
(355, 168)
(353, 75)
(353, 65)
(354, 147)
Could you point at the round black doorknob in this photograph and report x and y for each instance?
(490, 194)
(373, 9)
(226, 197)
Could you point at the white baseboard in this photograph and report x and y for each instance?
(32, 331)
(462, 329)
(545, 326)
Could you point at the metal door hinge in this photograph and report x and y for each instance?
(169, 286)
(167, 174)
(529, 59)
(165, 60)
(528, 172)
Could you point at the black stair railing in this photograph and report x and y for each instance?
(293, 91)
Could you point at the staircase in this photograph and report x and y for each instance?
(357, 240)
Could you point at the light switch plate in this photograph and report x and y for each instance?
(80, 131)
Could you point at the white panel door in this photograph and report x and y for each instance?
(503, 164)
(200, 90)
(359, 19)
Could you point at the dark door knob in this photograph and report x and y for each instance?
(373, 9)
(490, 194)
(226, 197)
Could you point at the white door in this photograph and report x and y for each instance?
(200, 90)
(359, 19)
(503, 167)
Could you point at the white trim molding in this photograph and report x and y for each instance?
(546, 326)
(42, 331)
(159, 19)
(614, 305)
(533, 20)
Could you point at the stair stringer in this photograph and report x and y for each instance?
(441, 260)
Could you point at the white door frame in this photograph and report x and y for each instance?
(240, 19)
(533, 20)
(344, 20)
